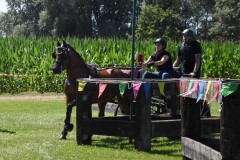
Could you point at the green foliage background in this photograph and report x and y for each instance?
(31, 57)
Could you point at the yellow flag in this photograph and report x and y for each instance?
(161, 87)
(81, 85)
(208, 87)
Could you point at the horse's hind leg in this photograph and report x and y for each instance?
(68, 127)
(101, 107)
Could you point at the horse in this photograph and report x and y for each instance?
(67, 58)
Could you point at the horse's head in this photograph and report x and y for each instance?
(60, 58)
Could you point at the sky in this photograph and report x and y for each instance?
(3, 6)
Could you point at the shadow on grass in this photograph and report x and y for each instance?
(158, 145)
(6, 131)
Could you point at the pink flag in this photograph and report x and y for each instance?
(102, 87)
(136, 87)
(216, 94)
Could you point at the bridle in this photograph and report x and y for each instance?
(59, 63)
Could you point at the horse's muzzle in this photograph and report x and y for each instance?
(57, 68)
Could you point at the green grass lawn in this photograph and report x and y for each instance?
(29, 129)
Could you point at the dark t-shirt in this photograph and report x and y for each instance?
(187, 53)
(158, 56)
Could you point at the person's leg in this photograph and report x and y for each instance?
(166, 75)
(148, 75)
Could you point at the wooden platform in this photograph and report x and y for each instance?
(142, 125)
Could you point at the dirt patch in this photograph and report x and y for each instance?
(33, 96)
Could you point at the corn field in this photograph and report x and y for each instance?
(30, 61)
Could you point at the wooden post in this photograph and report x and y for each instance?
(143, 122)
(83, 111)
(190, 119)
(230, 128)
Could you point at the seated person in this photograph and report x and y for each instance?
(162, 60)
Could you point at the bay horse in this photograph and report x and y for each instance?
(67, 58)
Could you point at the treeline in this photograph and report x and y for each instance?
(210, 19)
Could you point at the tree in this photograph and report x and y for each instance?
(155, 22)
(23, 17)
(226, 20)
(112, 17)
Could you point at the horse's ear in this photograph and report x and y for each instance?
(58, 43)
(64, 44)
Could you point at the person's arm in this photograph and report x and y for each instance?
(177, 62)
(162, 61)
(149, 60)
(197, 64)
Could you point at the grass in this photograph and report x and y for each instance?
(29, 129)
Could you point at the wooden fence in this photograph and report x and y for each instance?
(227, 144)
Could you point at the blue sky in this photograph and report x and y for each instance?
(3, 5)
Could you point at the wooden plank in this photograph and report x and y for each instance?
(210, 125)
(166, 128)
(195, 150)
(190, 117)
(110, 127)
(83, 110)
(230, 128)
(143, 122)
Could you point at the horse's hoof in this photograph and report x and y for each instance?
(70, 127)
(62, 137)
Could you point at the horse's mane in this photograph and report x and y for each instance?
(73, 49)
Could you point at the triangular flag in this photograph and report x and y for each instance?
(201, 91)
(190, 84)
(81, 85)
(136, 87)
(102, 87)
(208, 87)
(122, 87)
(161, 87)
(216, 94)
(184, 86)
(228, 88)
(146, 88)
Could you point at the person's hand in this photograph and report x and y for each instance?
(150, 64)
(192, 74)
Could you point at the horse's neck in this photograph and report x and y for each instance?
(76, 68)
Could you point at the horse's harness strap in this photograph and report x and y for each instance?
(71, 82)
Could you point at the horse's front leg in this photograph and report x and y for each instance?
(70, 102)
